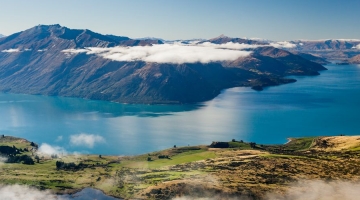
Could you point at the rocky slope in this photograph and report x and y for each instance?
(33, 62)
(311, 57)
(336, 44)
(355, 59)
(337, 49)
(222, 39)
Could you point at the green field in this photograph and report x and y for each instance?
(132, 176)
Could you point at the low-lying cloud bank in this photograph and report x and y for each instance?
(229, 45)
(10, 50)
(87, 140)
(309, 190)
(177, 53)
(15, 50)
(303, 190)
(318, 189)
(165, 53)
(16, 192)
(283, 45)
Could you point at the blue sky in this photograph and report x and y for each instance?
(187, 19)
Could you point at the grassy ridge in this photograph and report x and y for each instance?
(214, 169)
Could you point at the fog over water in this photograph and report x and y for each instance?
(318, 105)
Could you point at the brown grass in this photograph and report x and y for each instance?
(337, 143)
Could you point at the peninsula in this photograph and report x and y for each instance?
(58, 61)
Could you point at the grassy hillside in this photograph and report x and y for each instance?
(240, 169)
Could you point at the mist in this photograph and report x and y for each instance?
(319, 190)
(49, 150)
(167, 53)
(283, 45)
(301, 190)
(16, 192)
(2, 160)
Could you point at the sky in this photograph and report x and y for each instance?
(277, 20)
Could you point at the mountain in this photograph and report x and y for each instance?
(332, 49)
(222, 39)
(331, 44)
(311, 57)
(355, 59)
(34, 62)
(270, 60)
(43, 36)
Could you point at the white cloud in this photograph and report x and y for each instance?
(347, 40)
(317, 189)
(74, 51)
(302, 190)
(230, 45)
(59, 138)
(15, 192)
(2, 160)
(50, 150)
(88, 140)
(284, 44)
(10, 51)
(169, 53)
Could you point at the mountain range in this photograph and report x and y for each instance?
(41, 60)
(331, 49)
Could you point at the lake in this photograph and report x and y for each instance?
(86, 194)
(313, 106)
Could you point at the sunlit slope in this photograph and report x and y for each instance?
(224, 169)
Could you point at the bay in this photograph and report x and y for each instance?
(327, 104)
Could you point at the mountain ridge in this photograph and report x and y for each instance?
(355, 59)
(33, 62)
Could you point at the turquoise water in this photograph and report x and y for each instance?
(328, 104)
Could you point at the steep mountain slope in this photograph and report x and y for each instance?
(337, 49)
(33, 62)
(355, 59)
(311, 57)
(270, 60)
(222, 39)
(56, 37)
(336, 44)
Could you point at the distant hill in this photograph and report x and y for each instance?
(332, 49)
(45, 36)
(33, 62)
(222, 39)
(355, 59)
(311, 57)
(331, 44)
